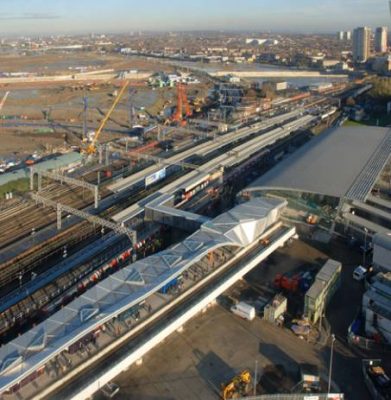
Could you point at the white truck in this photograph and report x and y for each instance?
(244, 310)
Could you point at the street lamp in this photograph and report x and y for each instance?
(365, 247)
(331, 361)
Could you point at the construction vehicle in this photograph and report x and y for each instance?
(299, 282)
(238, 387)
(289, 284)
(182, 102)
(312, 219)
(90, 149)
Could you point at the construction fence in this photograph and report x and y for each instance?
(298, 396)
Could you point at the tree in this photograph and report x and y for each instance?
(381, 89)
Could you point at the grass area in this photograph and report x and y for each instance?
(349, 122)
(18, 186)
(380, 120)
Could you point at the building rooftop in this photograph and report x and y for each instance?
(57, 162)
(383, 240)
(323, 278)
(343, 162)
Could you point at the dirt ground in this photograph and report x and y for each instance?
(53, 63)
(21, 143)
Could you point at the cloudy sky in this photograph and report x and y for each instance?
(74, 16)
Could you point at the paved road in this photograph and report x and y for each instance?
(216, 345)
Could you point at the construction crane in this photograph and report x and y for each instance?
(91, 148)
(238, 387)
(4, 100)
(182, 102)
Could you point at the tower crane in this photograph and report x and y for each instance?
(91, 148)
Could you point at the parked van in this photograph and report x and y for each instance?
(359, 273)
(244, 310)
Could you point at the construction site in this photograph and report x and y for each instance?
(121, 222)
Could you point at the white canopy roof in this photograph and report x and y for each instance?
(129, 286)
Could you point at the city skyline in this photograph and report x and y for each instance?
(40, 17)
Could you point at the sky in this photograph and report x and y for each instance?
(79, 16)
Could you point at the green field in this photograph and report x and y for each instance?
(18, 186)
(381, 120)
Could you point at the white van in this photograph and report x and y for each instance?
(244, 310)
(359, 273)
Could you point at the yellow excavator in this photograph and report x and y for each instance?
(238, 387)
(90, 148)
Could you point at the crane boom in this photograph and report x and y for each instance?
(91, 149)
(3, 100)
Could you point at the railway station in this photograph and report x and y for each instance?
(334, 177)
(118, 304)
(120, 245)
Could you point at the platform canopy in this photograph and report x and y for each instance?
(343, 162)
(130, 286)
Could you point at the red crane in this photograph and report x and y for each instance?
(182, 103)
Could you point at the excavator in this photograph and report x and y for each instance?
(90, 148)
(238, 387)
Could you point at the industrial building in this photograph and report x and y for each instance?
(376, 308)
(327, 281)
(382, 251)
(60, 163)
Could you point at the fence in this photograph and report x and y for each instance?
(365, 343)
(298, 396)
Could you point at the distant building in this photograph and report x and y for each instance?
(344, 35)
(330, 63)
(361, 44)
(381, 39)
(382, 65)
(276, 85)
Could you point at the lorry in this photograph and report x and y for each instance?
(244, 310)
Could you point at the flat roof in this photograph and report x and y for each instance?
(60, 161)
(342, 162)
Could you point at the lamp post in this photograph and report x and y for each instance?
(365, 247)
(331, 362)
(255, 377)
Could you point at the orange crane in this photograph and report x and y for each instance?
(91, 148)
(182, 102)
